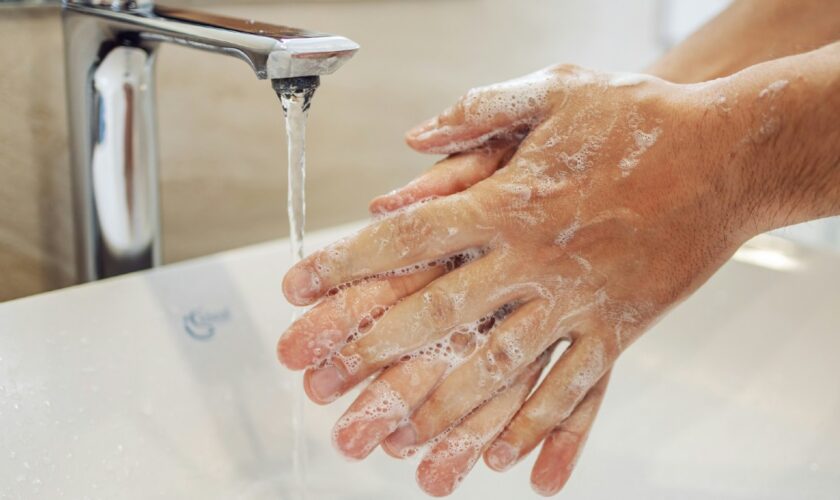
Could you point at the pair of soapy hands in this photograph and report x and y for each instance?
(569, 213)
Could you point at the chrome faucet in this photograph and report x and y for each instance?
(110, 50)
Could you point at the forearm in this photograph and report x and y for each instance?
(785, 138)
(747, 33)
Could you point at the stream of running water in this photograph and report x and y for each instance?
(296, 95)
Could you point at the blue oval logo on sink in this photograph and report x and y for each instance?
(202, 325)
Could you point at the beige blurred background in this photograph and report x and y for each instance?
(222, 151)
(221, 134)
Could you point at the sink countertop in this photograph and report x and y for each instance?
(164, 384)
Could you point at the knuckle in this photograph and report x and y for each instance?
(439, 306)
(351, 362)
(504, 354)
(603, 346)
(565, 69)
(411, 233)
(469, 105)
(530, 423)
(573, 434)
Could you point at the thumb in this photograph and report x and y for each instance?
(484, 113)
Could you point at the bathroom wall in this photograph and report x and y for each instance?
(222, 154)
(35, 218)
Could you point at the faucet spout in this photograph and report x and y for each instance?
(272, 51)
(304, 86)
(110, 48)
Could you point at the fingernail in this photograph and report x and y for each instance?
(301, 285)
(325, 384)
(423, 127)
(404, 437)
(383, 204)
(501, 456)
(546, 479)
(546, 490)
(443, 470)
(356, 439)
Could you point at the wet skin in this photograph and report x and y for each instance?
(576, 207)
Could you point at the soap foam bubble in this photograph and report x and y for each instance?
(642, 141)
(350, 363)
(465, 442)
(580, 160)
(385, 404)
(521, 194)
(629, 79)
(513, 104)
(511, 348)
(518, 97)
(722, 104)
(589, 374)
(771, 121)
(582, 262)
(449, 263)
(565, 236)
(624, 317)
(460, 342)
(773, 89)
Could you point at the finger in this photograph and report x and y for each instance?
(511, 346)
(421, 320)
(378, 410)
(400, 389)
(484, 113)
(327, 326)
(446, 464)
(571, 377)
(441, 228)
(448, 176)
(561, 449)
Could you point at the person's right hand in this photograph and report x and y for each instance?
(617, 227)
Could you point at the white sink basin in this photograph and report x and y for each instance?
(164, 384)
